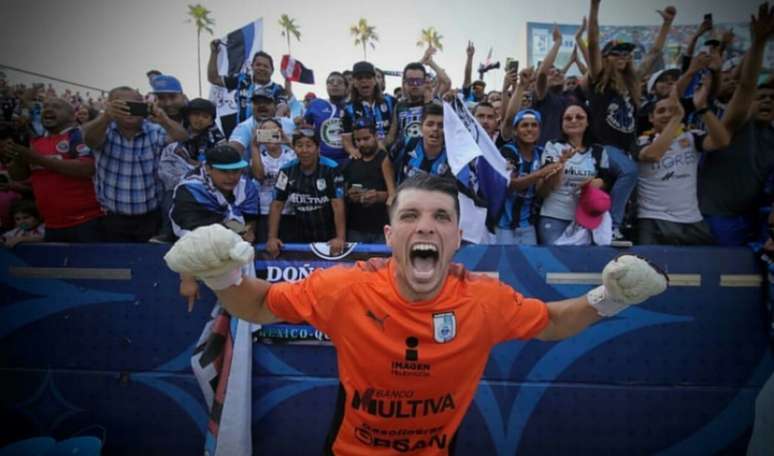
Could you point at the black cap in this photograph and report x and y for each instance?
(264, 93)
(224, 156)
(363, 68)
(616, 45)
(200, 105)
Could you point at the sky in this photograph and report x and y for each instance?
(108, 43)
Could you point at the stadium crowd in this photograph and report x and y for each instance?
(621, 154)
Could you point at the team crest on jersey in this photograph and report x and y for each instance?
(321, 185)
(444, 327)
(330, 132)
(684, 143)
(414, 130)
(63, 146)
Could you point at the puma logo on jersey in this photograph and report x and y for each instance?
(379, 321)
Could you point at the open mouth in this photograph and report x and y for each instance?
(424, 258)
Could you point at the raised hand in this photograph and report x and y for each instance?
(556, 34)
(668, 14)
(581, 29)
(212, 253)
(470, 49)
(762, 26)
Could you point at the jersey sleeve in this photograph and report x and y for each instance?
(230, 82)
(313, 300)
(698, 139)
(346, 120)
(514, 316)
(242, 134)
(281, 186)
(337, 184)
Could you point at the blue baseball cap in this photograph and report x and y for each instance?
(527, 114)
(224, 157)
(165, 83)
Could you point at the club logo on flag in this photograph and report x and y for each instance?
(444, 327)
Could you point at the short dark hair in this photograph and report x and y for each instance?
(336, 73)
(264, 55)
(270, 120)
(346, 72)
(431, 183)
(432, 109)
(483, 104)
(115, 90)
(415, 66)
(301, 133)
(364, 123)
(153, 72)
(24, 206)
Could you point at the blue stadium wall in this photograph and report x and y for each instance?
(96, 341)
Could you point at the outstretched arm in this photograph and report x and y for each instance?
(667, 16)
(595, 53)
(541, 86)
(761, 29)
(626, 280)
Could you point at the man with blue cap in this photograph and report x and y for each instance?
(170, 97)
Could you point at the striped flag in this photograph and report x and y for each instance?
(238, 47)
(294, 70)
(477, 163)
(235, 54)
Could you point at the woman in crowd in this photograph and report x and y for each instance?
(583, 163)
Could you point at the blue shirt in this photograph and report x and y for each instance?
(414, 161)
(518, 207)
(325, 116)
(126, 170)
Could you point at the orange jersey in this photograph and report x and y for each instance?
(408, 370)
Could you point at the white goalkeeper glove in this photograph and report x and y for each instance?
(212, 253)
(626, 280)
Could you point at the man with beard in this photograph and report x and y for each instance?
(370, 182)
(61, 167)
(264, 107)
(169, 96)
(366, 105)
(325, 117)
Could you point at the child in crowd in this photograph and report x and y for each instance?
(29, 227)
(180, 158)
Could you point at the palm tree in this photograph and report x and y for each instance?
(431, 38)
(289, 27)
(364, 35)
(200, 16)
